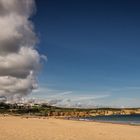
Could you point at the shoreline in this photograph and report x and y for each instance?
(99, 121)
(105, 122)
(69, 119)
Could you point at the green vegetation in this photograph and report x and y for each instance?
(46, 110)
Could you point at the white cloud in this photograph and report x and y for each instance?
(67, 98)
(19, 60)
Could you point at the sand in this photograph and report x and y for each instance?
(17, 128)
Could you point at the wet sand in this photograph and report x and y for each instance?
(18, 128)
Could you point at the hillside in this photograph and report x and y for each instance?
(46, 110)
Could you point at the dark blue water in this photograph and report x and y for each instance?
(123, 119)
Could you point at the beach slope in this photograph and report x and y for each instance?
(17, 128)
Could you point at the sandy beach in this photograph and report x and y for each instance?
(17, 128)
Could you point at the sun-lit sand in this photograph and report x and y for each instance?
(17, 128)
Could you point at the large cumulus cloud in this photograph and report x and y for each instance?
(19, 60)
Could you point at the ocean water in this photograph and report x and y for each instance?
(121, 119)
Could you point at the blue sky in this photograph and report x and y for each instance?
(93, 50)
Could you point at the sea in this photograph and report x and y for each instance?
(120, 119)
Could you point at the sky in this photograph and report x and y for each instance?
(93, 52)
